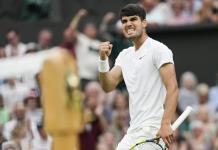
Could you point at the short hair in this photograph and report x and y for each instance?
(13, 30)
(133, 10)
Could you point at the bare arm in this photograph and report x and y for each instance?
(103, 28)
(109, 79)
(75, 21)
(169, 78)
(168, 75)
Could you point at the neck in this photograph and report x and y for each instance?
(139, 41)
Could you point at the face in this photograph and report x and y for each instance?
(32, 103)
(69, 35)
(90, 30)
(189, 83)
(45, 38)
(133, 27)
(120, 102)
(12, 38)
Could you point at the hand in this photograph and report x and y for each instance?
(105, 50)
(99, 110)
(82, 13)
(166, 133)
(108, 16)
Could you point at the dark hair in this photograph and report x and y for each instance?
(214, 10)
(133, 10)
(13, 30)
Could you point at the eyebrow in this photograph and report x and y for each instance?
(123, 20)
(131, 19)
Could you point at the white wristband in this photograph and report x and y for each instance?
(103, 65)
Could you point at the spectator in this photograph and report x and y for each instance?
(191, 7)
(216, 140)
(4, 113)
(45, 37)
(2, 52)
(20, 136)
(41, 140)
(13, 91)
(201, 136)
(19, 117)
(213, 95)
(95, 123)
(204, 14)
(119, 125)
(69, 40)
(10, 145)
(33, 109)
(197, 139)
(14, 47)
(205, 116)
(31, 48)
(188, 95)
(202, 91)
(70, 33)
(2, 139)
(214, 12)
(107, 139)
(87, 45)
(104, 29)
(158, 12)
(180, 142)
(120, 102)
(179, 17)
(102, 146)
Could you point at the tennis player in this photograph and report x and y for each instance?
(148, 71)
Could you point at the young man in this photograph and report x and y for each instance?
(148, 71)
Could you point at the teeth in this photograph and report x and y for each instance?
(130, 30)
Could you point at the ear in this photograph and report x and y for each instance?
(144, 23)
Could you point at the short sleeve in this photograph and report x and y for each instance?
(162, 55)
(118, 61)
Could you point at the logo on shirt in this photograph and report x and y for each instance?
(141, 57)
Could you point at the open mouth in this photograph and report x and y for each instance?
(130, 31)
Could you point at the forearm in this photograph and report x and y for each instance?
(107, 82)
(108, 78)
(170, 105)
(74, 22)
(76, 19)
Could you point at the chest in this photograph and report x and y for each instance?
(138, 65)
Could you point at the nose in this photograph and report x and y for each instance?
(128, 23)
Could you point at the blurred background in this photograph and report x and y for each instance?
(188, 27)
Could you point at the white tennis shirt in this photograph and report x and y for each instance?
(140, 70)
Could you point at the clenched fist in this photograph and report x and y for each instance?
(105, 50)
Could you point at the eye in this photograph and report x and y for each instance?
(134, 19)
(123, 21)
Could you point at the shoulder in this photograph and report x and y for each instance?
(126, 51)
(157, 45)
(214, 89)
(159, 48)
(81, 36)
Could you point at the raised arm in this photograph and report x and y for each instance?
(108, 79)
(75, 21)
(168, 75)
